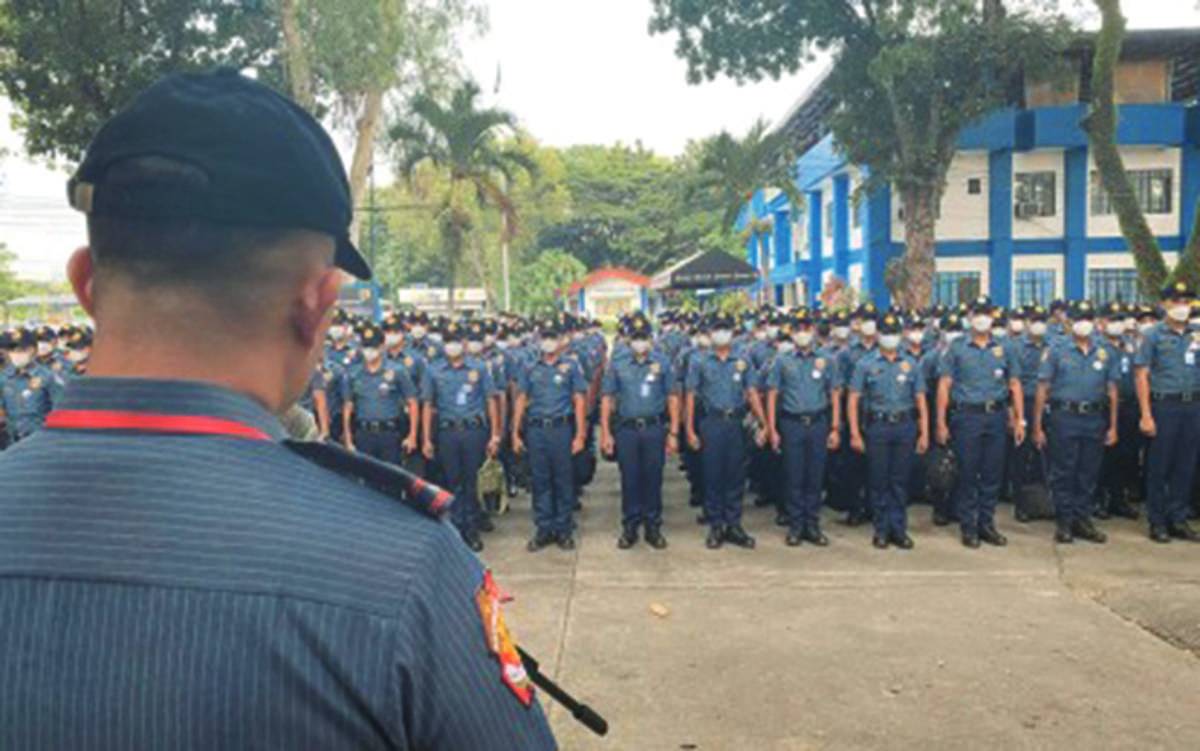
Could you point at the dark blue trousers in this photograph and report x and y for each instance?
(723, 455)
(979, 440)
(804, 452)
(1171, 462)
(553, 475)
(384, 445)
(640, 456)
(890, 451)
(460, 454)
(1076, 450)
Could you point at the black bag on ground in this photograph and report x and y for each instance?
(1033, 499)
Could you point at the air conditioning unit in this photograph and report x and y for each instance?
(1027, 210)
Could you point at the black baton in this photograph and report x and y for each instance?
(581, 712)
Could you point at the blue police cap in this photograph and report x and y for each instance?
(260, 161)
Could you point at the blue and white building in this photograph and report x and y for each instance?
(1024, 217)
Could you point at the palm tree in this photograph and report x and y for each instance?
(731, 170)
(462, 143)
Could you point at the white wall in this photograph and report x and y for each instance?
(963, 216)
(856, 276)
(1124, 260)
(605, 297)
(1141, 158)
(1042, 160)
(1040, 262)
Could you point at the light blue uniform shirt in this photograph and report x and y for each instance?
(805, 380)
(720, 385)
(381, 395)
(640, 386)
(1077, 376)
(981, 374)
(27, 397)
(458, 392)
(1173, 359)
(550, 388)
(887, 385)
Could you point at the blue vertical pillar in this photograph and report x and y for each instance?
(815, 261)
(1076, 222)
(1000, 225)
(1189, 185)
(582, 300)
(877, 241)
(841, 226)
(752, 259)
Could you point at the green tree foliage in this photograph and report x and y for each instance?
(908, 75)
(10, 286)
(461, 143)
(731, 170)
(538, 286)
(1101, 127)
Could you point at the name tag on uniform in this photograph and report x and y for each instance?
(558, 379)
(901, 378)
(737, 377)
(463, 393)
(816, 375)
(1189, 358)
(646, 390)
(1098, 365)
(999, 373)
(383, 388)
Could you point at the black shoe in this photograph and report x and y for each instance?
(1085, 530)
(511, 489)
(1021, 515)
(1160, 535)
(702, 519)
(735, 535)
(940, 519)
(855, 519)
(1184, 531)
(880, 541)
(1124, 510)
(782, 520)
(539, 541)
(715, 539)
(628, 538)
(970, 540)
(1102, 513)
(1063, 535)
(992, 536)
(655, 539)
(903, 541)
(566, 542)
(814, 535)
(486, 524)
(794, 538)
(473, 542)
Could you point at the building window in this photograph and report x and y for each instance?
(856, 209)
(1034, 287)
(974, 186)
(829, 219)
(1113, 285)
(767, 253)
(1036, 195)
(1151, 187)
(952, 287)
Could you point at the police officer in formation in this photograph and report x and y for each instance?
(379, 410)
(639, 424)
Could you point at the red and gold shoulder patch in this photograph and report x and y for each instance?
(500, 642)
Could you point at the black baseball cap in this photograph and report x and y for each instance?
(264, 161)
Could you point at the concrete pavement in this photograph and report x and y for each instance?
(1030, 646)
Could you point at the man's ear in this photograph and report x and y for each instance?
(81, 272)
(311, 312)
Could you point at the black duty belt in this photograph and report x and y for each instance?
(469, 423)
(549, 422)
(641, 423)
(983, 408)
(1078, 408)
(1185, 397)
(892, 418)
(806, 418)
(379, 426)
(726, 414)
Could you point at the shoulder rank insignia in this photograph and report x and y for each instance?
(389, 374)
(431, 351)
(500, 642)
(998, 351)
(473, 376)
(820, 363)
(905, 366)
(564, 368)
(741, 365)
(408, 362)
(35, 383)
(655, 368)
(56, 367)
(423, 497)
(1102, 354)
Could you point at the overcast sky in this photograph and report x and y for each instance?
(573, 71)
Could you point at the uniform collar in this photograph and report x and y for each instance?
(184, 398)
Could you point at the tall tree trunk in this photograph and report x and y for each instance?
(916, 279)
(1101, 127)
(366, 127)
(295, 56)
(1189, 261)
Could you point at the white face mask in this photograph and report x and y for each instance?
(44, 348)
(1115, 328)
(1038, 328)
(418, 331)
(1017, 327)
(760, 335)
(803, 338)
(772, 332)
(393, 339)
(77, 355)
(19, 359)
(474, 348)
(1130, 324)
(953, 336)
(1083, 329)
(370, 354)
(868, 328)
(640, 346)
(722, 337)
(841, 332)
(454, 349)
(488, 340)
(999, 333)
(785, 347)
(916, 337)
(889, 341)
(1144, 328)
(435, 338)
(502, 344)
(703, 341)
(1179, 313)
(337, 332)
(549, 345)
(514, 342)
(981, 324)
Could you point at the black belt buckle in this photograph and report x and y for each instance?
(990, 408)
